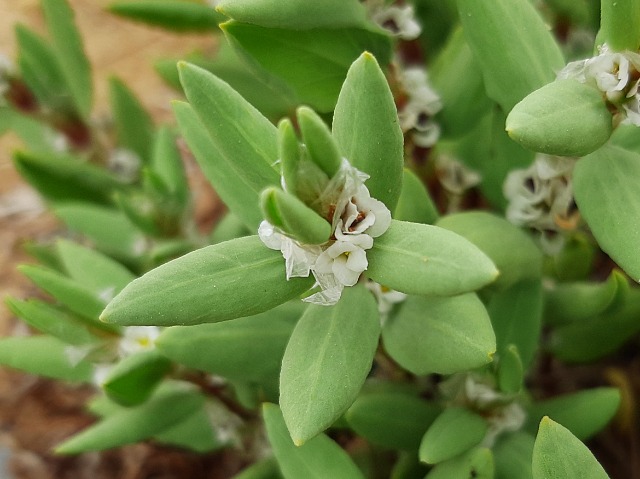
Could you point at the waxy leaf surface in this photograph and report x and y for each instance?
(565, 118)
(319, 458)
(423, 259)
(225, 281)
(558, 454)
(366, 128)
(512, 44)
(440, 335)
(326, 362)
(605, 185)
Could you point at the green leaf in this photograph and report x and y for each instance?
(516, 315)
(41, 70)
(228, 228)
(265, 469)
(132, 380)
(221, 348)
(166, 162)
(293, 217)
(620, 24)
(326, 362)
(319, 458)
(558, 454)
(584, 413)
(390, 419)
(424, 259)
(224, 281)
(247, 143)
(476, 464)
(511, 249)
(193, 432)
(569, 302)
(93, 270)
(290, 154)
(565, 117)
(172, 403)
(512, 455)
(63, 178)
(319, 142)
(51, 320)
(75, 296)
(44, 356)
(298, 14)
(366, 128)
(238, 194)
(415, 205)
(291, 54)
(109, 230)
(134, 126)
(456, 70)
(68, 45)
(510, 370)
(174, 15)
(605, 189)
(440, 335)
(268, 94)
(588, 340)
(516, 52)
(453, 432)
(626, 136)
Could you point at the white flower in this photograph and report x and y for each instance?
(612, 73)
(346, 258)
(298, 258)
(400, 21)
(541, 197)
(363, 214)
(356, 218)
(387, 298)
(455, 176)
(125, 164)
(137, 339)
(422, 103)
(225, 424)
(101, 373)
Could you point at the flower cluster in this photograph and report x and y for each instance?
(541, 197)
(356, 219)
(421, 105)
(615, 74)
(398, 20)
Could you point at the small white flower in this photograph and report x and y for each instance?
(387, 298)
(356, 218)
(399, 21)
(137, 339)
(101, 373)
(422, 103)
(125, 164)
(612, 73)
(455, 176)
(541, 197)
(345, 259)
(225, 424)
(363, 214)
(299, 259)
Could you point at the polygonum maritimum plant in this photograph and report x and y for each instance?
(410, 325)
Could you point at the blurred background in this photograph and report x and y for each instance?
(35, 414)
